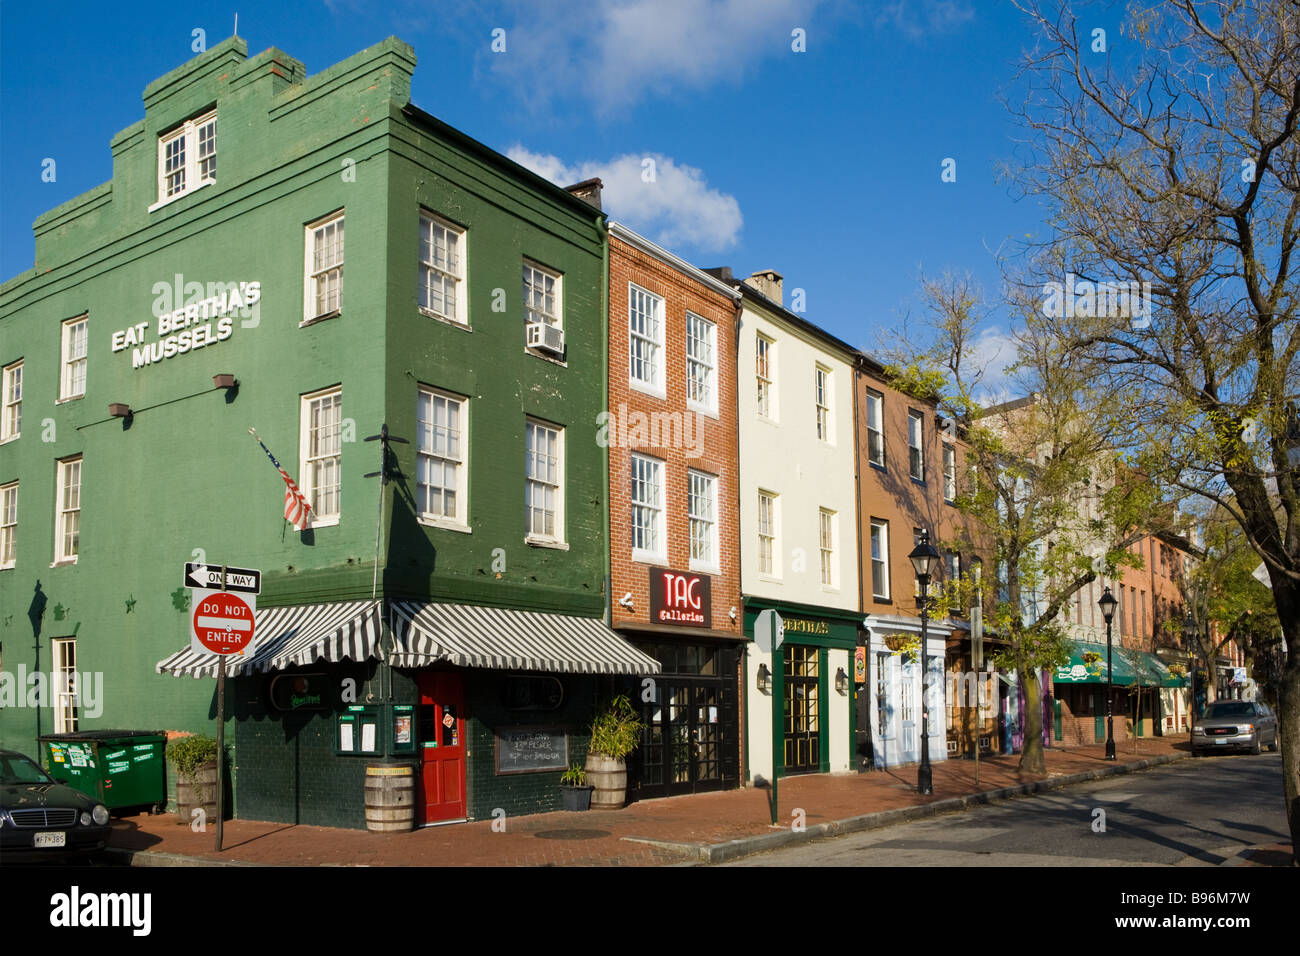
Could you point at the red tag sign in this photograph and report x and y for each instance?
(678, 598)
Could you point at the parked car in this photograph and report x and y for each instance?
(40, 818)
(1235, 725)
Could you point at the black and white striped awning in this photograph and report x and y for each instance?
(299, 634)
(502, 638)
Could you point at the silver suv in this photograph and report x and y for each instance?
(1235, 725)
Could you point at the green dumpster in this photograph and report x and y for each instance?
(119, 768)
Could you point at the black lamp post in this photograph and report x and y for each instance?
(1107, 604)
(924, 559)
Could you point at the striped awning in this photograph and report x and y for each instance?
(502, 638)
(299, 634)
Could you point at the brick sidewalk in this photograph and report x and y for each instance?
(611, 837)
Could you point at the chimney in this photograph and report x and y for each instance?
(588, 191)
(720, 272)
(768, 282)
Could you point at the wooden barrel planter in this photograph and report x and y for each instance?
(390, 797)
(199, 791)
(608, 778)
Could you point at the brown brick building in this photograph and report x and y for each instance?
(671, 432)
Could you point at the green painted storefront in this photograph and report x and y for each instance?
(181, 479)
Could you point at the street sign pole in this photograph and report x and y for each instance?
(769, 633)
(221, 732)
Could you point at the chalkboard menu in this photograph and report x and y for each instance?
(532, 749)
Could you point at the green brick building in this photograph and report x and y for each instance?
(352, 262)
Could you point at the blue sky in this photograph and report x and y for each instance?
(823, 164)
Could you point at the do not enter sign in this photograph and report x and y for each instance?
(222, 622)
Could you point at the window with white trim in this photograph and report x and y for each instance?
(67, 510)
(8, 524)
(442, 269)
(187, 157)
(880, 559)
(826, 545)
(65, 684)
(72, 375)
(767, 551)
(11, 401)
(822, 393)
(324, 290)
(440, 480)
(701, 362)
(876, 428)
(949, 473)
(702, 510)
(915, 445)
(544, 493)
(763, 349)
(542, 296)
(646, 337)
(322, 454)
(647, 507)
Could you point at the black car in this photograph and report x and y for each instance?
(40, 818)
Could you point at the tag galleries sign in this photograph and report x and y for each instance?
(679, 598)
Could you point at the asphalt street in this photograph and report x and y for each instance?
(1198, 812)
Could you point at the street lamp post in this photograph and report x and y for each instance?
(924, 559)
(1107, 604)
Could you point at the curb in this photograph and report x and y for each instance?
(156, 858)
(747, 846)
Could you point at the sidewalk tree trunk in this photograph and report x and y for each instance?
(1175, 165)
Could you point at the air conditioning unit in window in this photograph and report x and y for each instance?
(548, 338)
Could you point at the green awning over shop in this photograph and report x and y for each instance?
(1131, 667)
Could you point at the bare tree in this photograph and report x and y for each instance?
(1169, 160)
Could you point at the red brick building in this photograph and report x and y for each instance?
(671, 431)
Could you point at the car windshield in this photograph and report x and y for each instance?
(17, 769)
(1236, 708)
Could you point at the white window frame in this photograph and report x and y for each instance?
(646, 519)
(451, 269)
(70, 362)
(531, 312)
(880, 555)
(11, 401)
(196, 172)
(916, 442)
(701, 363)
(66, 699)
(949, 473)
(769, 534)
(764, 374)
(456, 458)
(312, 456)
(702, 518)
(8, 525)
(876, 425)
(826, 535)
(822, 389)
(650, 339)
(67, 510)
(312, 274)
(536, 426)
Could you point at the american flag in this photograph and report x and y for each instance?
(296, 509)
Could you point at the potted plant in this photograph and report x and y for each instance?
(575, 794)
(195, 758)
(615, 733)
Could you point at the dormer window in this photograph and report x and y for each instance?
(187, 157)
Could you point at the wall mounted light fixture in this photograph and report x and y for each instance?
(764, 679)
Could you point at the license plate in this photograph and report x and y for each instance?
(1220, 741)
(51, 839)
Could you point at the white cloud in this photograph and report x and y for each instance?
(617, 51)
(993, 351)
(920, 18)
(676, 208)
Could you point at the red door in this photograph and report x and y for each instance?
(442, 742)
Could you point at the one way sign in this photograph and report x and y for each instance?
(246, 580)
